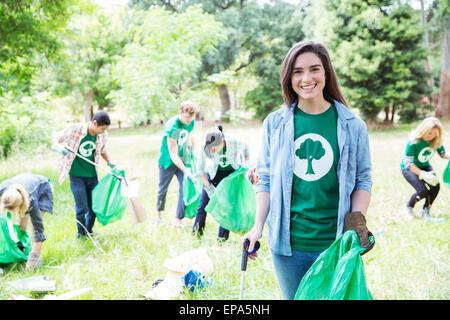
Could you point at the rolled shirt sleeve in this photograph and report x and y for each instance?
(364, 163)
(263, 163)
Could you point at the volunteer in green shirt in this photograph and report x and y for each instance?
(424, 141)
(218, 157)
(80, 167)
(315, 187)
(88, 140)
(174, 152)
(314, 166)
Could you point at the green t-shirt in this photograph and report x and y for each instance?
(420, 153)
(315, 187)
(178, 131)
(224, 164)
(80, 167)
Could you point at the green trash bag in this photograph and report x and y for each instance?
(11, 238)
(233, 205)
(107, 202)
(338, 273)
(446, 175)
(191, 196)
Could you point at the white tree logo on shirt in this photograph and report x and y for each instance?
(313, 157)
(426, 154)
(182, 137)
(86, 148)
(223, 160)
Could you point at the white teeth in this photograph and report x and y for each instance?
(309, 87)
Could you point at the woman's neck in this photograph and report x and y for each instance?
(313, 106)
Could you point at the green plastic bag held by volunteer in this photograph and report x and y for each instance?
(192, 190)
(233, 204)
(15, 243)
(191, 196)
(338, 273)
(446, 175)
(107, 202)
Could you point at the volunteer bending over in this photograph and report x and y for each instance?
(424, 141)
(29, 195)
(219, 157)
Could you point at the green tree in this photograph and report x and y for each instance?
(376, 50)
(161, 58)
(29, 28)
(24, 121)
(310, 150)
(281, 30)
(92, 44)
(243, 22)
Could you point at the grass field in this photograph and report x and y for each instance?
(409, 261)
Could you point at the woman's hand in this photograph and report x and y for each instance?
(253, 235)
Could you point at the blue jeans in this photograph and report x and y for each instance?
(82, 192)
(291, 269)
(423, 189)
(200, 218)
(165, 177)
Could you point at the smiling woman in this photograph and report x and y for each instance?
(308, 78)
(314, 168)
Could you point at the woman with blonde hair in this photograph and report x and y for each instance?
(28, 195)
(423, 143)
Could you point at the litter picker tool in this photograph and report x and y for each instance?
(244, 260)
(129, 190)
(95, 165)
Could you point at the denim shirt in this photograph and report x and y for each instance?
(275, 168)
(236, 153)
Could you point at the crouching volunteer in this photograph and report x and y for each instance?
(173, 155)
(314, 166)
(88, 140)
(424, 141)
(219, 156)
(29, 195)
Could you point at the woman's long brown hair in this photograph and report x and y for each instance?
(331, 89)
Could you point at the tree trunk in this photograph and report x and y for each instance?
(434, 99)
(444, 86)
(425, 44)
(224, 101)
(386, 114)
(88, 112)
(394, 107)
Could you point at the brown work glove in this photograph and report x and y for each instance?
(356, 221)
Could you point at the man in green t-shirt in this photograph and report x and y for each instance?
(87, 139)
(173, 156)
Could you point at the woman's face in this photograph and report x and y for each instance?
(308, 76)
(13, 210)
(431, 134)
(217, 149)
